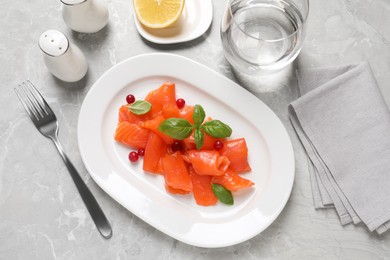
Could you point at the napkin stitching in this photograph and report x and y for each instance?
(334, 185)
(344, 216)
(377, 222)
(383, 228)
(334, 82)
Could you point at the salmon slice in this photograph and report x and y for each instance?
(126, 115)
(165, 94)
(177, 178)
(208, 142)
(207, 162)
(237, 153)
(123, 114)
(201, 187)
(153, 126)
(171, 110)
(155, 149)
(131, 135)
(232, 181)
(176, 191)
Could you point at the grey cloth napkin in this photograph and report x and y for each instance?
(343, 123)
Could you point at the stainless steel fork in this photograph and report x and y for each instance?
(46, 122)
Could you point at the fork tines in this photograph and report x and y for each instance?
(32, 101)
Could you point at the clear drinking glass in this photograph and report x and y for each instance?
(263, 36)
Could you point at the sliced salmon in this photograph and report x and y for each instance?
(237, 153)
(153, 125)
(177, 177)
(165, 94)
(131, 135)
(201, 187)
(123, 114)
(176, 191)
(208, 162)
(171, 110)
(155, 149)
(188, 170)
(126, 115)
(232, 181)
(208, 142)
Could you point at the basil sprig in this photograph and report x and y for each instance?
(224, 195)
(179, 128)
(217, 129)
(199, 138)
(140, 107)
(199, 115)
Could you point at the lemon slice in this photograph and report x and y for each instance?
(158, 13)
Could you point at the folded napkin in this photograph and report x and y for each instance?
(343, 123)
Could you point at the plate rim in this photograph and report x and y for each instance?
(289, 149)
(165, 41)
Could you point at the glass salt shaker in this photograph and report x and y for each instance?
(63, 59)
(85, 16)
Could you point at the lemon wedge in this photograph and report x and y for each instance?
(158, 13)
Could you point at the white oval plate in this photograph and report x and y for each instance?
(270, 151)
(193, 22)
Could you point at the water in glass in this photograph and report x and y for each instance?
(263, 35)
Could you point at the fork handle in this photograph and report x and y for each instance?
(90, 202)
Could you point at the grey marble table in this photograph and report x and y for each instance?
(41, 213)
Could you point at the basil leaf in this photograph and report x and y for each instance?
(140, 107)
(177, 128)
(217, 129)
(198, 115)
(199, 138)
(224, 195)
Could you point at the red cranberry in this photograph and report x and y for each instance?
(180, 103)
(130, 99)
(133, 156)
(218, 145)
(141, 151)
(176, 146)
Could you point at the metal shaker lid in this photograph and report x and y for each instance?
(53, 43)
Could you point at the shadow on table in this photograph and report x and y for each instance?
(271, 82)
(277, 90)
(91, 39)
(72, 86)
(179, 46)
